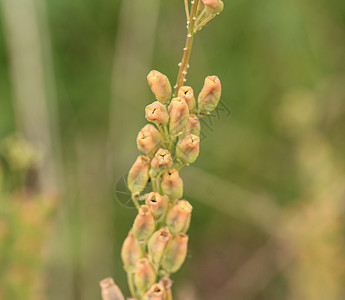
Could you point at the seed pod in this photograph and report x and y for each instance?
(187, 149)
(158, 204)
(210, 94)
(130, 252)
(139, 174)
(144, 276)
(175, 253)
(213, 6)
(178, 116)
(157, 113)
(149, 140)
(110, 291)
(172, 184)
(193, 125)
(161, 162)
(187, 93)
(156, 292)
(178, 216)
(157, 244)
(144, 224)
(160, 86)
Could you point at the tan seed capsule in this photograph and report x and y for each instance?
(139, 174)
(130, 252)
(156, 292)
(157, 244)
(110, 291)
(187, 93)
(158, 204)
(175, 253)
(210, 94)
(160, 86)
(187, 149)
(149, 140)
(172, 184)
(144, 276)
(144, 224)
(193, 125)
(178, 217)
(178, 116)
(157, 113)
(213, 6)
(161, 162)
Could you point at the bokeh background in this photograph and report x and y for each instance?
(268, 188)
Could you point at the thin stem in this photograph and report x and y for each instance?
(131, 284)
(188, 47)
(163, 133)
(154, 184)
(203, 23)
(186, 9)
(135, 201)
(200, 16)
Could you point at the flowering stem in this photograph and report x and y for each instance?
(131, 284)
(188, 47)
(203, 23)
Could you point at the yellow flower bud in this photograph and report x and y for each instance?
(158, 204)
(149, 140)
(157, 113)
(139, 174)
(161, 162)
(144, 276)
(193, 125)
(213, 6)
(187, 149)
(144, 224)
(178, 116)
(178, 217)
(175, 253)
(156, 292)
(172, 184)
(187, 93)
(130, 252)
(157, 244)
(210, 94)
(110, 291)
(160, 86)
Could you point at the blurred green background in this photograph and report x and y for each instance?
(268, 188)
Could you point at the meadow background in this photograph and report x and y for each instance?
(268, 188)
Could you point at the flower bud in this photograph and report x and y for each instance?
(172, 184)
(110, 291)
(157, 244)
(130, 252)
(139, 174)
(158, 204)
(178, 217)
(144, 224)
(213, 6)
(161, 162)
(193, 125)
(175, 253)
(156, 292)
(149, 140)
(209, 95)
(157, 113)
(144, 276)
(178, 116)
(160, 86)
(187, 149)
(187, 93)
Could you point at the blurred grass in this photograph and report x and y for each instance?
(266, 176)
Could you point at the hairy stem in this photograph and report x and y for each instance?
(188, 47)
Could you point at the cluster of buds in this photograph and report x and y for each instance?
(157, 244)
